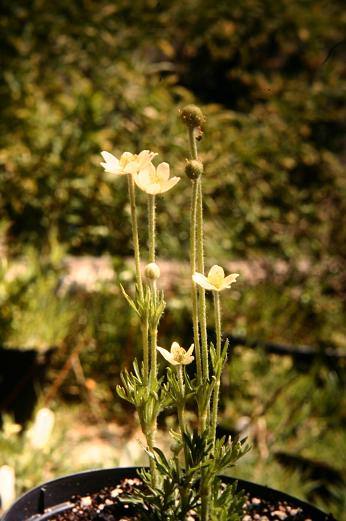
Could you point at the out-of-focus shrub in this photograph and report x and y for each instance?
(76, 80)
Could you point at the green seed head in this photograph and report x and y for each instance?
(194, 169)
(192, 116)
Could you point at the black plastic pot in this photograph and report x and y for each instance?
(22, 373)
(45, 501)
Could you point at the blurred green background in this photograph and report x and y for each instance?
(78, 77)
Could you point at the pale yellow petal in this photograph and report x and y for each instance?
(111, 164)
(174, 345)
(169, 184)
(188, 359)
(230, 279)
(153, 189)
(162, 172)
(145, 157)
(126, 156)
(190, 350)
(167, 355)
(201, 280)
(150, 173)
(144, 177)
(216, 272)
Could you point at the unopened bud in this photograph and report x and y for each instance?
(194, 169)
(192, 116)
(152, 271)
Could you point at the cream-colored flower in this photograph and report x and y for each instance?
(155, 180)
(128, 163)
(216, 280)
(178, 355)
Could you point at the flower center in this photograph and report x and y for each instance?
(127, 158)
(179, 354)
(216, 280)
(154, 178)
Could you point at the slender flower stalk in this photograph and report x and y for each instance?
(181, 404)
(145, 342)
(192, 143)
(194, 290)
(153, 354)
(152, 226)
(200, 256)
(153, 330)
(181, 407)
(218, 329)
(150, 437)
(132, 196)
(152, 247)
(200, 265)
(217, 312)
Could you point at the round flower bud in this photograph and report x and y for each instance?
(152, 271)
(194, 169)
(192, 116)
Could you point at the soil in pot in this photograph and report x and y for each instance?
(100, 495)
(106, 505)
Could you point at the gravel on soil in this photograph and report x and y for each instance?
(105, 505)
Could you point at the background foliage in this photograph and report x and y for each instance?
(79, 77)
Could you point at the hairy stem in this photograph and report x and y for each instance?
(153, 356)
(152, 227)
(193, 144)
(194, 292)
(200, 266)
(217, 311)
(145, 341)
(131, 188)
(151, 444)
(198, 257)
(181, 406)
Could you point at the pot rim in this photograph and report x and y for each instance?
(55, 494)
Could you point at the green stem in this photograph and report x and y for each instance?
(151, 444)
(205, 505)
(131, 188)
(193, 223)
(153, 355)
(152, 227)
(192, 143)
(153, 330)
(180, 408)
(145, 341)
(217, 311)
(200, 266)
(197, 235)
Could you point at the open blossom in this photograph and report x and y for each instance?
(216, 280)
(155, 180)
(178, 355)
(128, 163)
